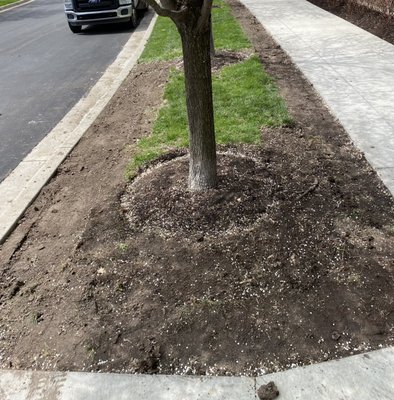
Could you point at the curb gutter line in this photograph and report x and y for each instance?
(23, 184)
(16, 4)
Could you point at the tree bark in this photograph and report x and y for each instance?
(192, 18)
(212, 41)
(198, 81)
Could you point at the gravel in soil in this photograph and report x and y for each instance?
(289, 262)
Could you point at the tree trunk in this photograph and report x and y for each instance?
(212, 41)
(198, 82)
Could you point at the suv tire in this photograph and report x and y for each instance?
(134, 21)
(75, 28)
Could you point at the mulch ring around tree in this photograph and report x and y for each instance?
(290, 261)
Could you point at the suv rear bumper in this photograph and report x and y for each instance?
(121, 14)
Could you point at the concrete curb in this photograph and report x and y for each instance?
(362, 377)
(24, 183)
(14, 5)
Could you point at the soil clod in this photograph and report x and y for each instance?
(268, 391)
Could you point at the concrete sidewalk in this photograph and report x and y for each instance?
(352, 70)
(362, 377)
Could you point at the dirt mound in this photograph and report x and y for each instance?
(160, 200)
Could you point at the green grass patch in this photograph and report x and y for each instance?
(6, 2)
(227, 33)
(165, 44)
(245, 99)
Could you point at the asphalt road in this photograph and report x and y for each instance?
(44, 70)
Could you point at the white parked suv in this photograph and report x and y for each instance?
(92, 12)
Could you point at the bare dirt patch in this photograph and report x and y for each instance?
(160, 200)
(310, 278)
(223, 58)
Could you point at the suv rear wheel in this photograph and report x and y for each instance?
(134, 18)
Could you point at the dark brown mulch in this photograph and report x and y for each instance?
(193, 287)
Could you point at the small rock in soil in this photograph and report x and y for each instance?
(268, 391)
(15, 288)
(335, 335)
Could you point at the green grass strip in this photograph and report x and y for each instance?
(6, 2)
(245, 99)
(165, 44)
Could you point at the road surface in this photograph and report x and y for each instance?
(44, 70)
